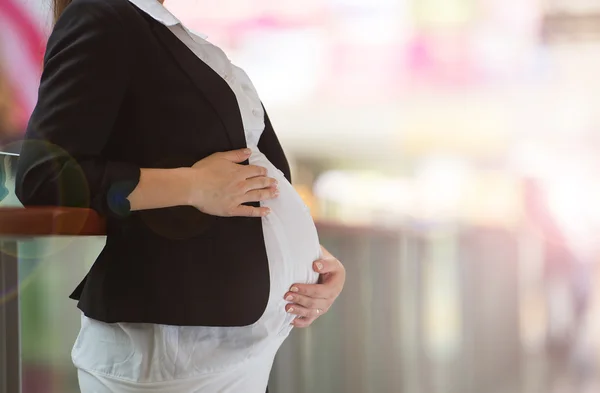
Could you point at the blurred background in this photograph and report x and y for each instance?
(448, 150)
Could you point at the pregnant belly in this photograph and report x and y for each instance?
(291, 238)
(292, 245)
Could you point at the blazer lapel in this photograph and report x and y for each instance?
(210, 84)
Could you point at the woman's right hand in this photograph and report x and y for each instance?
(220, 185)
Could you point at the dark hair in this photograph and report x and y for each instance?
(6, 103)
(58, 6)
(7, 112)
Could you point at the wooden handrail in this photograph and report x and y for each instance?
(50, 221)
(65, 221)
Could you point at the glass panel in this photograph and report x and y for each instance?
(49, 270)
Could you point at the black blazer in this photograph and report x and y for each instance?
(120, 92)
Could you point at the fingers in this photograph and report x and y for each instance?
(260, 182)
(322, 295)
(305, 316)
(241, 155)
(304, 312)
(260, 189)
(250, 211)
(249, 171)
(237, 156)
(327, 265)
(308, 302)
(260, 195)
(318, 291)
(333, 273)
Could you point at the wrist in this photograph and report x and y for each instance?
(185, 180)
(193, 180)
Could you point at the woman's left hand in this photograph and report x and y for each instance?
(310, 301)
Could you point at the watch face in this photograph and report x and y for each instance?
(8, 167)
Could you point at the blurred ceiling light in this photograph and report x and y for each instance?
(468, 123)
(366, 192)
(443, 13)
(440, 183)
(492, 198)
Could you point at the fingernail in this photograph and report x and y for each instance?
(294, 289)
(276, 193)
(291, 310)
(267, 212)
(289, 298)
(247, 151)
(319, 266)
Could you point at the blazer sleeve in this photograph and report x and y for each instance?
(87, 69)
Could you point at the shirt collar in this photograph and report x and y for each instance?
(161, 14)
(156, 11)
(197, 36)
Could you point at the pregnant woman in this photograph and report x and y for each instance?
(211, 256)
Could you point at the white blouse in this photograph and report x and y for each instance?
(132, 357)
